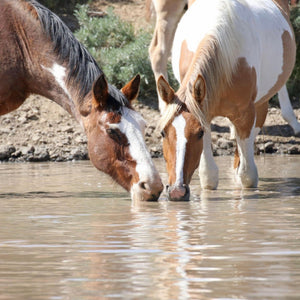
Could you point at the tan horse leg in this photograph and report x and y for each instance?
(244, 122)
(261, 114)
(168, 14)
(244, 156)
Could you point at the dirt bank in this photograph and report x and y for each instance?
(40, 131)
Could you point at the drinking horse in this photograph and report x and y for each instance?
(231, 57)
(168, 14)
(40, 55)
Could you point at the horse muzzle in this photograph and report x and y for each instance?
(178, 192)
(146, 191)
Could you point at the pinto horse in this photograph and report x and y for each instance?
(231, 57)
(40, 55)
(168, 14)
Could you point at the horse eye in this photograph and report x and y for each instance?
(163, 134)
(111, 131)
(200, 134)
(117, 137)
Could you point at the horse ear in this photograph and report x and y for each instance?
(165, 91)
(199, 89)
(100, 92)
(131, 89)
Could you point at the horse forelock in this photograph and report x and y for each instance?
(82, 67)
(116, 100)
(169, 113)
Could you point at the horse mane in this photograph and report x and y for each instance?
(215, 60)
(83, 69)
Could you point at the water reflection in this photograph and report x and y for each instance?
(66, 235)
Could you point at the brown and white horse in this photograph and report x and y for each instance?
(168, 14)
(40, 55)
(231, 57)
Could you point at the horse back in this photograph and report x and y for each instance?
(21, 41)
(264, 41)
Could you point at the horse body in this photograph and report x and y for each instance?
(40, 55)
(168, 14)
(220, 58)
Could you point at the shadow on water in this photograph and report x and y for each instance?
(62, 194)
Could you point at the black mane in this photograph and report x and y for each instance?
(83, 69)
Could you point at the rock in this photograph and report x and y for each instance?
(294, 150)
(77, 154)
(269, 147)
(6, 151)
(224, 144)
(41, 154)
(27, 150)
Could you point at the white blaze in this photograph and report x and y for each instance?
(179, 124)
(132, 125)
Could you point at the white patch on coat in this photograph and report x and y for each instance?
(247, 174)
(179, 124)
(59, 73)
(208, 170)
(133, 125)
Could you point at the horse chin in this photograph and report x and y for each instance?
(178, 192)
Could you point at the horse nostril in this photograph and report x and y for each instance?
(179, 193)
(144, 186)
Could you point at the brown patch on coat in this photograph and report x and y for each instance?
(194, 146)
(236, 161)
(186, 57)
(237, 100)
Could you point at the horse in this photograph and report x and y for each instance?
(168, 14)
(231, 57)
(40, 55)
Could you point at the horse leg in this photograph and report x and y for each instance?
(287, 110)
(246, 131)
(208, 170)
(168, 14)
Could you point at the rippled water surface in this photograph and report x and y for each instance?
(68, 232)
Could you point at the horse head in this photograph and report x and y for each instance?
(182, 137)
(115, 139)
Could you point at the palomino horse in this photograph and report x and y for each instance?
(40, 55)
(231, 57)
(168, 14)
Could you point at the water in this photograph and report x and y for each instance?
(68, 232)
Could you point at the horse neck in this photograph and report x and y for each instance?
(32, 55)
(52, 79)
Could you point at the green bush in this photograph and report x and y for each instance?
(120, 52)
(294, 81)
